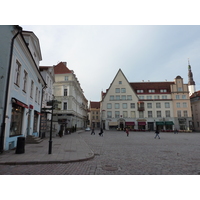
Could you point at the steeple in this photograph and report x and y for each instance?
(191, 83)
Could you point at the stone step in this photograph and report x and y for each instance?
(30, 139)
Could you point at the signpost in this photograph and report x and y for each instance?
(51, 103)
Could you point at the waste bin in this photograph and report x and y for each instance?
(20, 145)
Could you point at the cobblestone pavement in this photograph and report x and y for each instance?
(117, 154)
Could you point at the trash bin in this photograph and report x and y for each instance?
(20, 145)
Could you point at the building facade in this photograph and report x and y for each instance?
(25, 85)
(145, 105)
(47, 95)
(71, 112)
(94, 114)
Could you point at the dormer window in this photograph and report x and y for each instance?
(163, 90)
(151, 91)
(140, 91)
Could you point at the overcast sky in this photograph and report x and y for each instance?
(96, 53)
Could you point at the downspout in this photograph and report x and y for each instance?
(6, 92)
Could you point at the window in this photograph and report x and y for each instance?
(185, 113)
(167, 113)
(150, 114)
(109, 106)
(111, 97)
(151, 91)
(177, 97)
(65, 92)
(167, 105)
(132, 114)
(120, 82)
(180, 89)
(123, 97)
(125, 114)
(140, 91)
(65, 106)
(158, 113)
(149, 105)
(178, 105)
(117, 114)
(16, 120)
(17, 73)
(183, 96)
(156, 97)
(184, 104)
(117, 105)
(141, 97)
(178, 113)
(129, 97)
(149, 97)
(38, 97)
(117, 90)
(124, 105)
(66, 78)
(117, 97)
(163, 90)
(36, 93)
(164, 97)
(109, 114)
(35, 125)
(132, 105)
(158, 105)
(123, 90)
(25, 81)
(141, 114)
(32, 86)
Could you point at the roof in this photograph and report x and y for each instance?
(157, 86)
(195, 94)
(61, 68)
(94, 104)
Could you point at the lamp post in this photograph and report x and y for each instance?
(50, 138)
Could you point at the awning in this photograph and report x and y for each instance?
(141, 123)
(160, 123)
(129, 123)
(169, 123)
(19, 103)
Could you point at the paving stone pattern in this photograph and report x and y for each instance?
(117, 154)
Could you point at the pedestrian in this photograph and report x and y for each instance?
(92, 133)
(101, 132)
(175, 131)
(127, 132)
(157, 134)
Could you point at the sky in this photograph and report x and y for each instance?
(142, 52)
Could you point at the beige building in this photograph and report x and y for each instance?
(94, 114)
(145, 105)
(72, 109)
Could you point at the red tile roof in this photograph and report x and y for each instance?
(195, 94)
(61, 68)
(146, 86)
(94, 104)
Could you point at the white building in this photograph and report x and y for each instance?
(25, 85)
(72, 111)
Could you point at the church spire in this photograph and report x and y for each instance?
(191, 83)
(190, 75)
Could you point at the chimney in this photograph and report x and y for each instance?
(65, 63)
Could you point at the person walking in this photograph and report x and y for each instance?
(157, 134)
(175, 131)
(92, 133)
(127, 132)
(101, 132)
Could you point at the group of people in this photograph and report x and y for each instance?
(127, 132)
(100, 134)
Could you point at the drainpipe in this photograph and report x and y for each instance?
(6, 93)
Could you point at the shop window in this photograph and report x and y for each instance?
(16, 120)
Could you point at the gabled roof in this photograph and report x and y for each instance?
(61, 68)
(95, 104)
